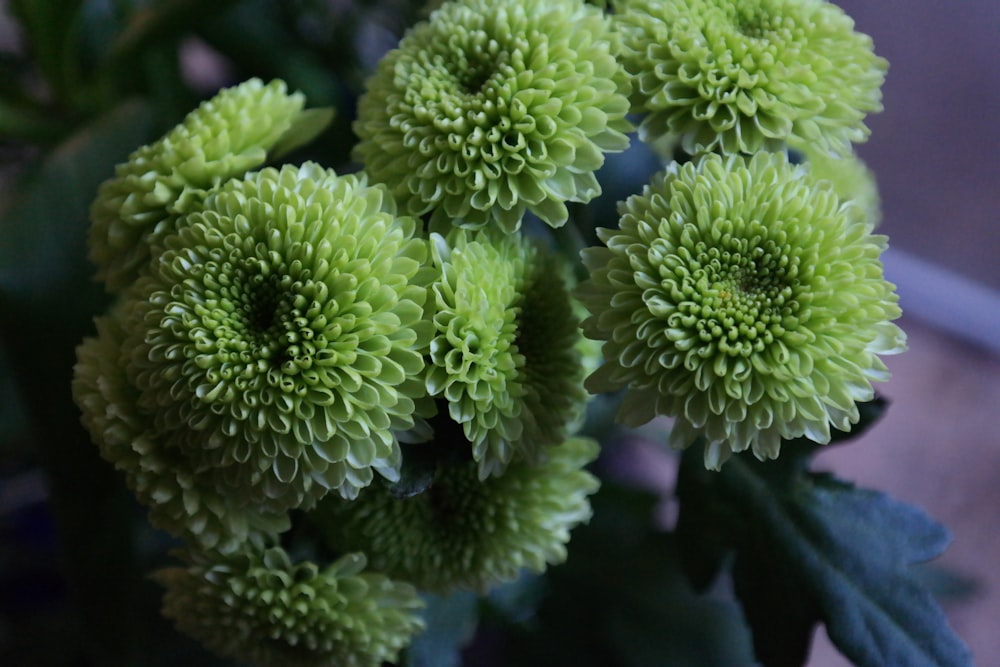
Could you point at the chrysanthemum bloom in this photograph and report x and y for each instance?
(850, 177)
(495, 107)
(741, 297)
(463, 532)
(182, 498)
(279, 336)
(751, 75)
(505, 353)
(258, 607)
(224, 137)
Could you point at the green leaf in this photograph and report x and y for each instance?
(622, 599)
(307, 126)
(47, 300)
(810, 548)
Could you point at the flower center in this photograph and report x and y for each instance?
(750, 27)
(262, 304)
(474, 78)
(738, 296)
(753, 21)
(474, 60)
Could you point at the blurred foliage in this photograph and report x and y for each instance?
(88, 81)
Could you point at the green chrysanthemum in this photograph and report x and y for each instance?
(750, 75)
(225, 137)
(495, 107)
(505, 353)
(256, 606)
(741, 297)
(278, 337)
(466, 533)
(851, 179)
(183, 499)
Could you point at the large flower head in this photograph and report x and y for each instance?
(505, 352)
(182, 496)
(749, 75)
(495, 107)
(743, 298)
(463, 532)
(257, 606)
(224, 137)
(277, 337)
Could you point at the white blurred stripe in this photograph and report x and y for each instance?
(944, 299)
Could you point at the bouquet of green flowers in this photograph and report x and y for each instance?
(372, 406)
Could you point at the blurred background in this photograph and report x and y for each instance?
(935, 151)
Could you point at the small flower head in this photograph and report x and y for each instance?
(718, 75)
(278, 336)
(850, 177)
(224, 137)
(505, 353)
(183, 499)
(258, 607)
(743, 298)
(466, 533)
(492, 108)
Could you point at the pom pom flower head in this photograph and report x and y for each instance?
(467, 533)
(750, 75)
(505, 351)
(279, 330)
(256, 606)
(267, 356)
(741, 297)
(492, 108)
(224, 137)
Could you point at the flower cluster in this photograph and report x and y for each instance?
(492, 108)
(279, 331)
(385, 371)
(743, 298)
(749, 76)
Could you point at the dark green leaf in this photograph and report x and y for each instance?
(621, 600)
(810, 548)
